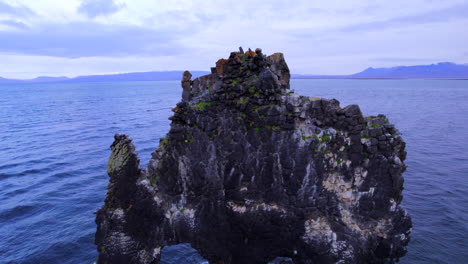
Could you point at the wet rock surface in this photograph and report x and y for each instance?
(251, 171)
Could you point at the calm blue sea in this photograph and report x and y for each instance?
(54, 145)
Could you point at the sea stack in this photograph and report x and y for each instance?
(250, 171)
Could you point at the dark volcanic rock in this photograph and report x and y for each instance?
(186, 85)
(249, 172)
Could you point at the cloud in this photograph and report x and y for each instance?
(18, 11)
(438, 15)
(87, 39)
(13, 23)
(94, 8)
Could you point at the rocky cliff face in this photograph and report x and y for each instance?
(250, 171)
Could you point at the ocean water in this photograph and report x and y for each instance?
(54, 145)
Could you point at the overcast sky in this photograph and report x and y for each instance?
(79, 37)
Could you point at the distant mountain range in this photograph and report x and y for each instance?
(121, 77)
(442, 70)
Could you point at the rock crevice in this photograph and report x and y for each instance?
(250, 171)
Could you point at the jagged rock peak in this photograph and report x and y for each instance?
(250, 74)
(251, 171)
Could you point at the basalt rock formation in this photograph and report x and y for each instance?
(251, 171)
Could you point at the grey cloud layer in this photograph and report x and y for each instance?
(94, 8)
(89, 39)
(13, 23)
(18, 10)
(454, 12)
